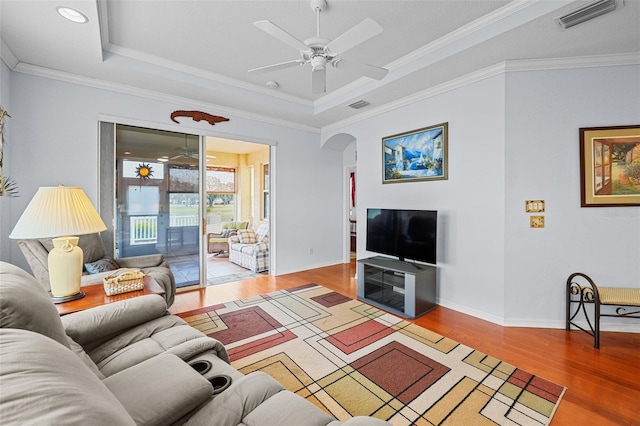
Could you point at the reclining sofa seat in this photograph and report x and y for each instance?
(126, 363)
(36, 251)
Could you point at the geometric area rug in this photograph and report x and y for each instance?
(351, 359)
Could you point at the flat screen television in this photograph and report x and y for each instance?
(406, 234)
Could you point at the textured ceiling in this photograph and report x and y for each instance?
(201, 50)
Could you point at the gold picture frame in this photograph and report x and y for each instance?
(416, 155)
(610, 166)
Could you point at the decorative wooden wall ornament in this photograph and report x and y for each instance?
(198, 116)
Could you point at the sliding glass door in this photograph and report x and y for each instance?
(163, 192)
(157, 198)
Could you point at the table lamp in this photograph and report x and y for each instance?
(60, 213)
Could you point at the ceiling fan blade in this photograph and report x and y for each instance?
(277, 32)
(356, 35)
(279, 66)
(318, 80)
(177, 156)
(367, 70)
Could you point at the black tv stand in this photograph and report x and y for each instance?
(400, 287)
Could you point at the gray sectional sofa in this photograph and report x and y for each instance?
(127, 363)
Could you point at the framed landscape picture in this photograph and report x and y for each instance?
(610, 166)
(416, 155)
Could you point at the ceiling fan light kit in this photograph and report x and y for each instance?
(319, 52)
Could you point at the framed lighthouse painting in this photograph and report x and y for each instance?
(416, 155)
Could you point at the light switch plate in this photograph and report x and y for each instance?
(536, 221)
(534, 206)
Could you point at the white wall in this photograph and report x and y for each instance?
(545, 110)
(5, 202)
(514, 138)
(511, 137)
(470, 203)
(54, 129)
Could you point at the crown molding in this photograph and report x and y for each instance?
(183, 72)
(621, 59)
(179, 71)
(482, 29)
(34, 70)
(474, 77)
(468, 30)
(624, 59)
(103, 26)
(7, 55)
(497, 69)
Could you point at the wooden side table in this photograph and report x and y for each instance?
(94, 295)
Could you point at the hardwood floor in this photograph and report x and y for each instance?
(603, 385)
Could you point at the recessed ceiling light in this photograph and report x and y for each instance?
(72, 15)
(163, 160)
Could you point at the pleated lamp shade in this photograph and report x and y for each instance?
(56, 211)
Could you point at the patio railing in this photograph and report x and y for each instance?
(144, 229)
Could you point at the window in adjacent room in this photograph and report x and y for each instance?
(221, 192)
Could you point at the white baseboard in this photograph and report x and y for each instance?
(606, 324)
(470, 311)
(307, 267)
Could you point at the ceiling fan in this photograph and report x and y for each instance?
(319, 52)
(185, 152)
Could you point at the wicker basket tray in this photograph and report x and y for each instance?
(122, 281)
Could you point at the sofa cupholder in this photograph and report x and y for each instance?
(220, 383)
(202, 366)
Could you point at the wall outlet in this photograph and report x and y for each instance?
(536, 221)
(310, 250)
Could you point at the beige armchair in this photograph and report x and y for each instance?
(36, 252)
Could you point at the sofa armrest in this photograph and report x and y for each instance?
(146, 261)
(160, 390)
(101, 322)
(261, 247)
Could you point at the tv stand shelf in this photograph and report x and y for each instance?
(404, 288)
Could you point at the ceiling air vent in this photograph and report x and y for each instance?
(587, 12)
(359, 104)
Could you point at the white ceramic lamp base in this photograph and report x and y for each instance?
(65, 269)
